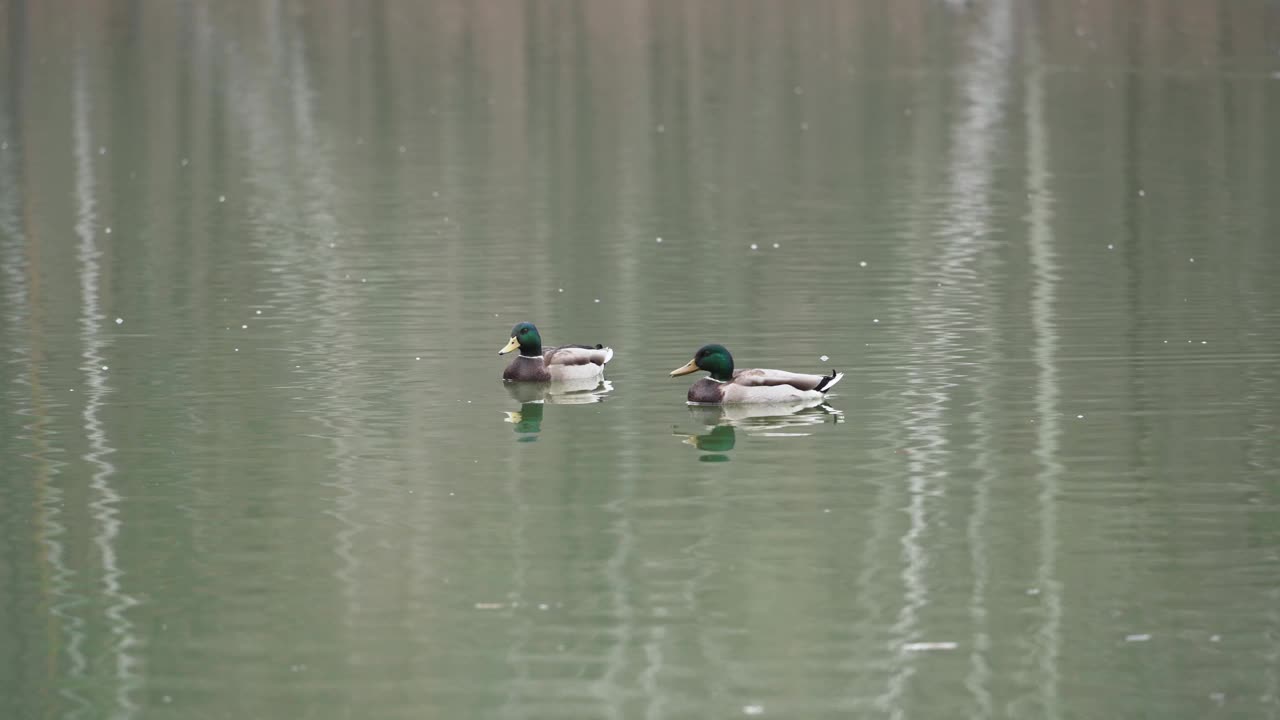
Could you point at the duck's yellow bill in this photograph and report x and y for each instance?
(689, 367)
(510, 346)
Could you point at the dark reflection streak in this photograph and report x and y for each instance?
(105, 508)
(946, 311)
(521, 626)
(1044, 268)
(20, 260)
(610, 688)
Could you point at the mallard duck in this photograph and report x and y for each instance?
(729, 386)
(568, 362)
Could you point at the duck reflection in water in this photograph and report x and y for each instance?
(759, 419)
(533, 396)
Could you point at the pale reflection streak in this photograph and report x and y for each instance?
(105, 506)
(1044, 268)
(252, 93)
(946, 311)
(20, 297)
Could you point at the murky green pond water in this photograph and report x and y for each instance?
(258, 259)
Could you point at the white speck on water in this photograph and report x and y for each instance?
(824, 358)
(798, 90)
(1215, 638)
(662, 128)
(752, 709)
(435, 193)
(333, 245)
(364, 279)
(257, 312)
(1079, 417)
(244, 327)
(1191, 259)
(804, 126)
(222, 198)
(185, 162)
(826, 510)
(71, 390)
(4, 145)
(102, 150)
(776, 246)
(107, 230)
(597, 299)
(755, 246)
(919, 646)
(543, 606)
(1204, 342)
(104, 367)
(1218, 697)
(119, 321)
(1142, 193)
(167, 699)
(1110, 246)
(237, 349)
(1137, 637)
(875, 320)
(401, 149)
(418, 358)
(559, 289)
(862, 263)
(657, 239)
(1033, 591)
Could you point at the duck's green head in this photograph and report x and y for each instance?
(715, 359)
(524, 336)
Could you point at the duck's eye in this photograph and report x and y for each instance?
(524, 331)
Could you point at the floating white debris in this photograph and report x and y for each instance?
(490, 606)
(597, 299)
(798, 90)
(1137, 637)
(1142, 193)
(185, 162)
(1033, 591)
(107, 230)
(804, 126)
(662, 128)
(167, 699)
(543, 606)
(119, 321)
(755, 246)
(559, 289)
(104, 367)
(824, 358)
(257, 312)
(102, 150)
(418, 358)
(1191, 259)
(237, 349)
(435, 193)
(657, 239)
(1080, 417)
(4, 145)
(401, 149)
(364, 279)
(922, 646)
(875, 320)
(71, 389)
(862, 263)
(222, 198)
(1215, 638)
(1110, 246)
(244, 327)
(776, 246)
(752, 709)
